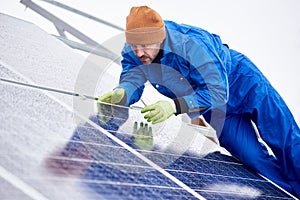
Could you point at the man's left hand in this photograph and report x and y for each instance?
(158, 112)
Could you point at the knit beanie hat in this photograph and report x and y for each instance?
(144, 26)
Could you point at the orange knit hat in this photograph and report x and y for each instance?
(144, 26)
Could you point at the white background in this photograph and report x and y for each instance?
(267, 31)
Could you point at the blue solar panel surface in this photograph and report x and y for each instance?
(100, 166)
(114, 172)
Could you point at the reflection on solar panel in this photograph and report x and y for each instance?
(49, 151)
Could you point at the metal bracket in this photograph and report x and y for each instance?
(62, 27)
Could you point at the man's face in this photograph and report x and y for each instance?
(146, 53)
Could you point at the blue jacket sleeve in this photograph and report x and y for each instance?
(209, 74)
(132, 77)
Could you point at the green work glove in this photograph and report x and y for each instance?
(113, 97)
(142, 136)
(158, 112)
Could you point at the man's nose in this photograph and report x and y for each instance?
(139, 52)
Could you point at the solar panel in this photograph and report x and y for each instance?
(51, 151)
(43, 147)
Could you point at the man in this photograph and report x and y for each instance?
(204, 77)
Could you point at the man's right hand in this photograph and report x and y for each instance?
(113, 97)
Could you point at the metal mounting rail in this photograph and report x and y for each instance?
(66, 7)
(63, 27)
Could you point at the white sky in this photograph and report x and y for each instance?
(267, 31)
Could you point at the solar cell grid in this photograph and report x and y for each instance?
(98, 163)
(204, 175)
